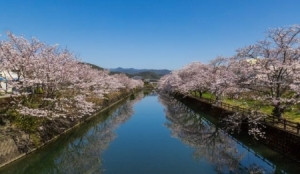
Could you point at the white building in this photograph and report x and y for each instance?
(6, 76)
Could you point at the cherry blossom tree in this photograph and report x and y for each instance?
(170, 83)
(195, 77)
(223, 80)
(272, 74)
(52, 82)
(127, 82)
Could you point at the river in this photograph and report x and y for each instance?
(151, 134)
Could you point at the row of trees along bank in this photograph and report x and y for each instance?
(266, 73)
(51, 88)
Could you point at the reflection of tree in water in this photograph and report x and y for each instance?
(83, 155)
(208, 141)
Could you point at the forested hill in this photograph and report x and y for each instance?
(137, 71)
(148, 75)
(93, 66)
(131, 72)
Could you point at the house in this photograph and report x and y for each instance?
(252, 61)
(6, 76)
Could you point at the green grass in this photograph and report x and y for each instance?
(208, 95)
(292, 114)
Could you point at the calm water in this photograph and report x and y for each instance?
(151, 135)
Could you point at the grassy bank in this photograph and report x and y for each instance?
(292, 113)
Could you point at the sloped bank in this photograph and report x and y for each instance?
(277, 139)
(16, 143)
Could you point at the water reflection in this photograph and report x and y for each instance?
(85, 152)
(81, 153)
(210, 143)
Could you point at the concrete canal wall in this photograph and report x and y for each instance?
(8, 149)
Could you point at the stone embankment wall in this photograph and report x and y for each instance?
(280, 140)
(8, 149)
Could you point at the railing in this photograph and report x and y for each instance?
(292, 127)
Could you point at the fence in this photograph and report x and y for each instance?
(292, 127)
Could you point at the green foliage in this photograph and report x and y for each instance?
(36, 139)
(133, 71)
(39, 90)
(143, 75)
(148, 75)
(148, 85)
(27, 123)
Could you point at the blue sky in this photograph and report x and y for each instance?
(147, 33)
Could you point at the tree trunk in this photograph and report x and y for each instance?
(200, 94)
(277, 111)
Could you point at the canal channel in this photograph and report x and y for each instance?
(152, 134)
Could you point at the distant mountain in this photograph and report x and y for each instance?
(93, 66)
(133, 71)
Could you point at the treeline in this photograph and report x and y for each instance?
(143, 73)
